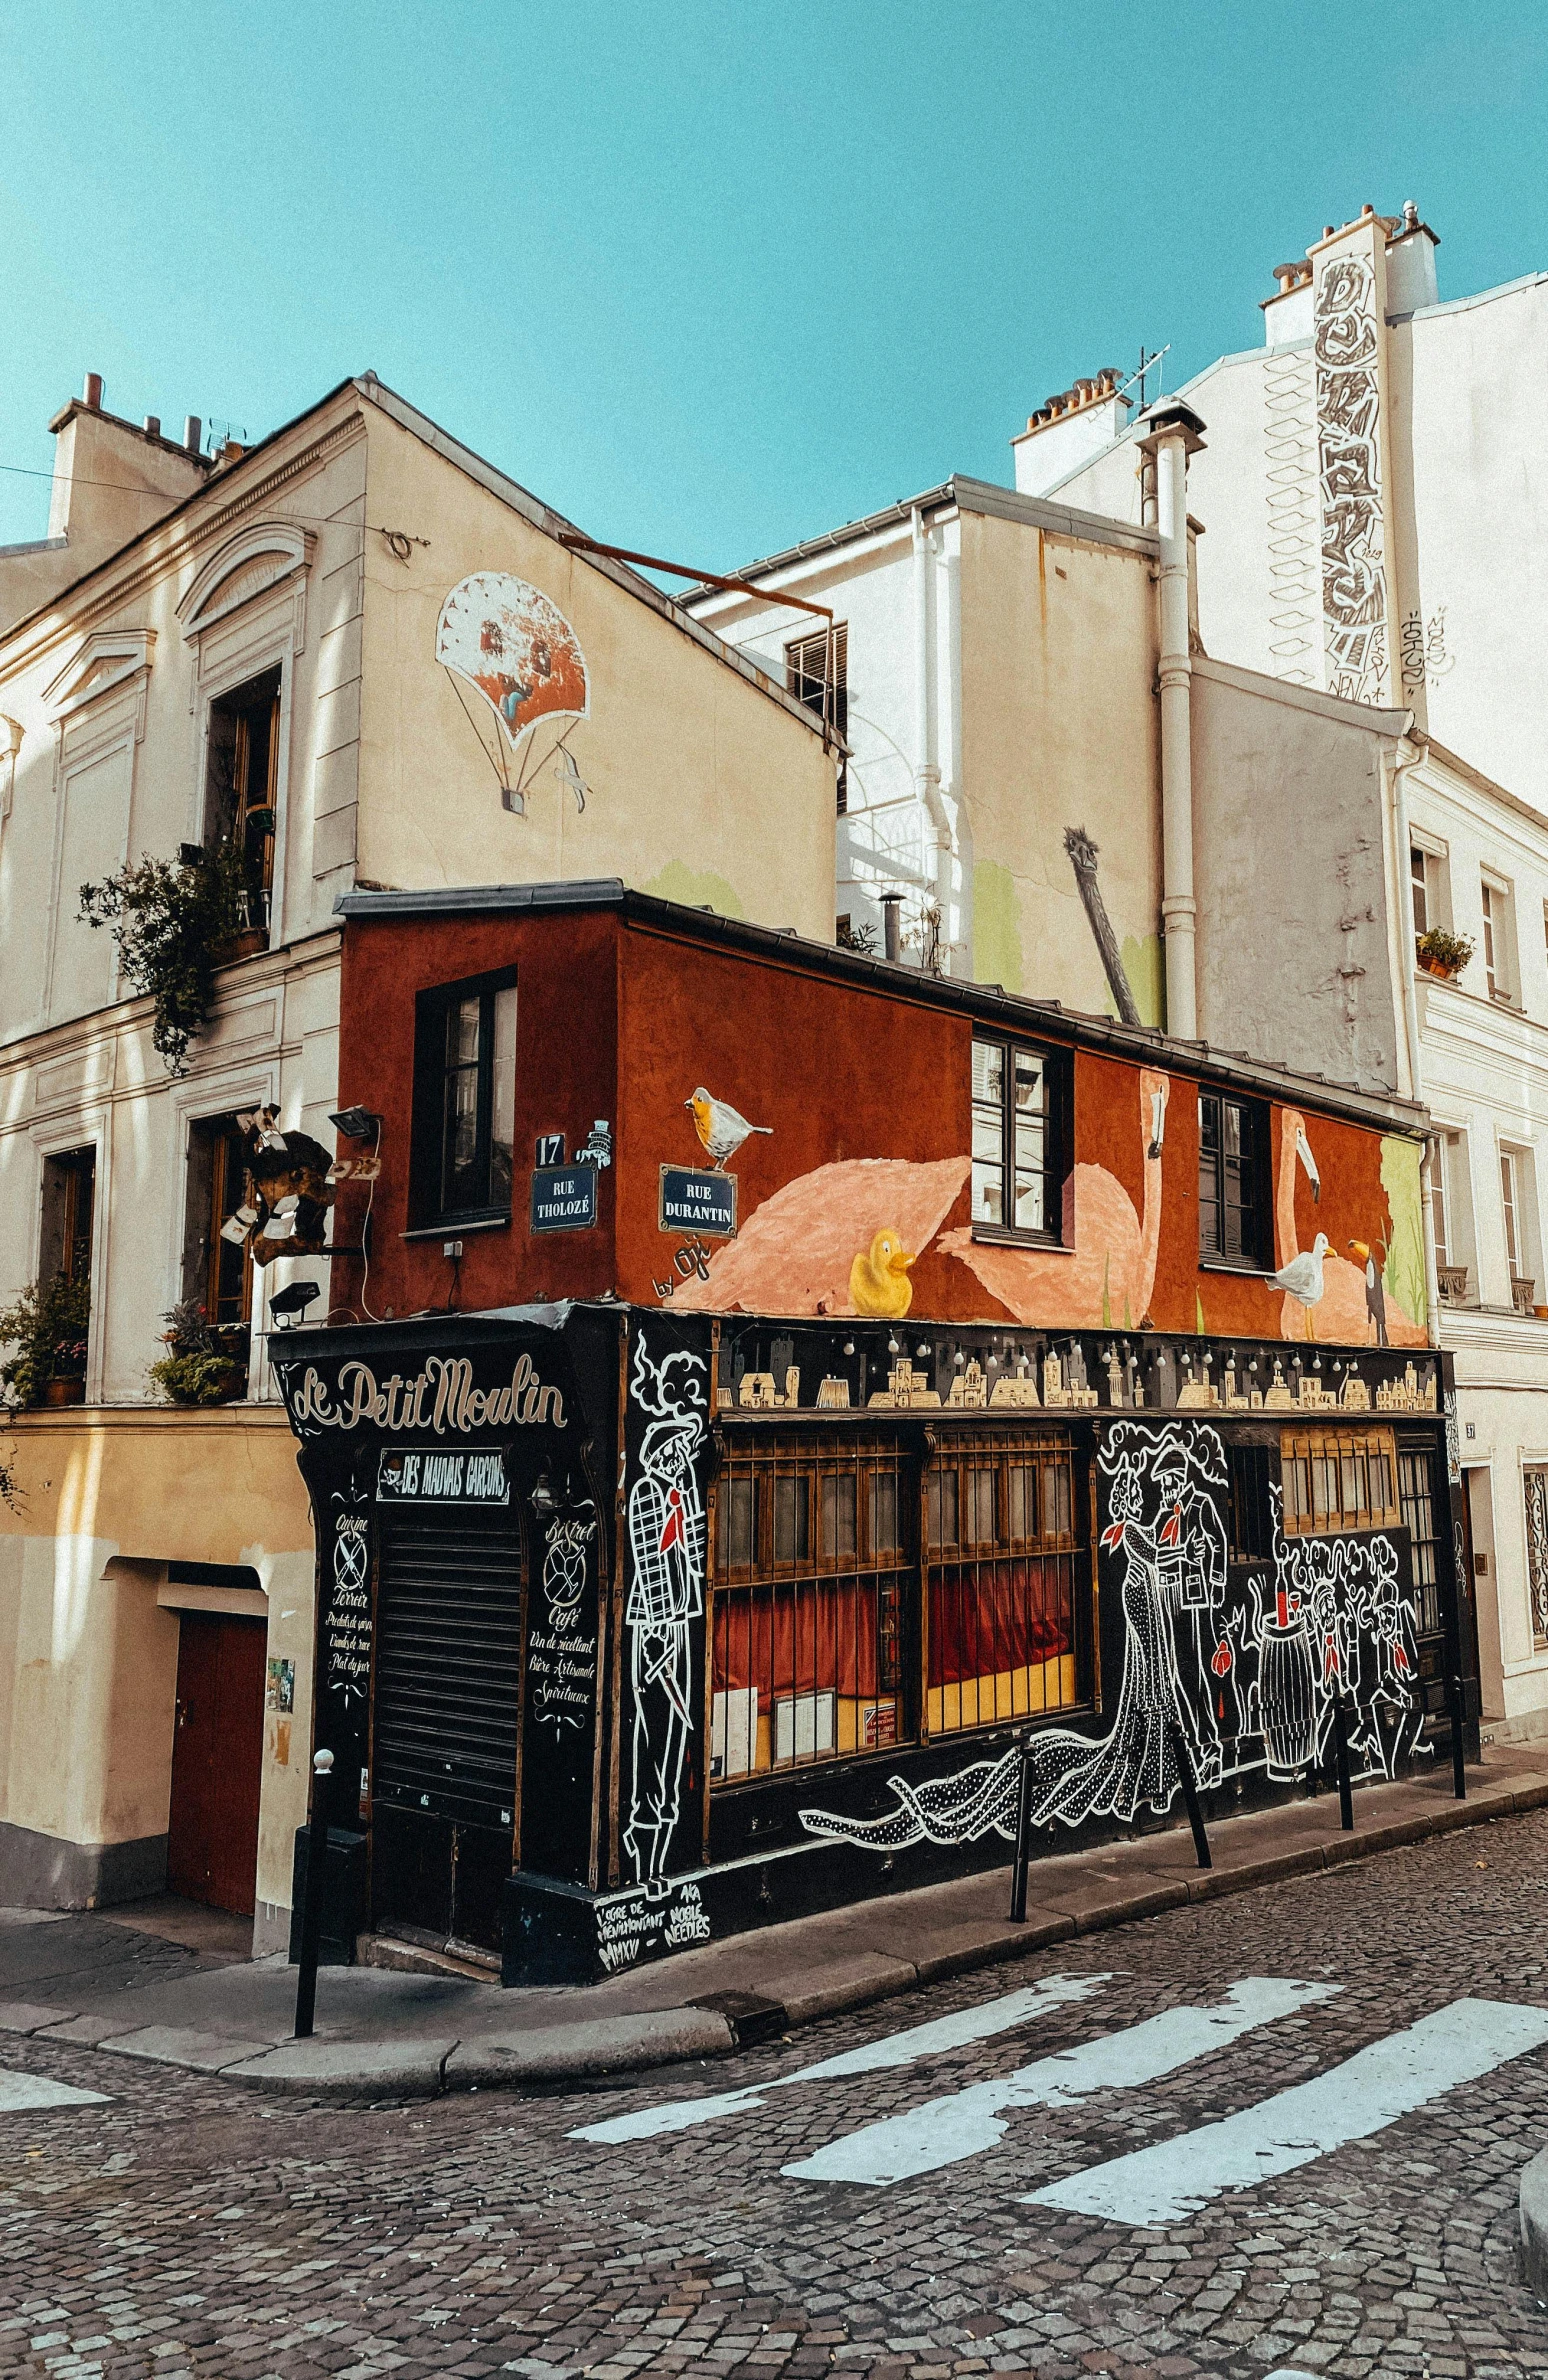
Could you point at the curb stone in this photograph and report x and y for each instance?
(1534, 2226)
(20, 2016)
(544, 2058)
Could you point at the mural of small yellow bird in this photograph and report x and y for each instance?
(878, 1278)
(719, 1126)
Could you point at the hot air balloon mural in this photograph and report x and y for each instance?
(516, 646)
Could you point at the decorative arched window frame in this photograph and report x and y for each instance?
(96, 706)
(243, 612)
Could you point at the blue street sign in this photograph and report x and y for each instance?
(564, 1198)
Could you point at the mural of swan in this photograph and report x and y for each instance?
(795, 1254)
(1105, 1273)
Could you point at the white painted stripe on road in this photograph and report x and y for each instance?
(965, 2123)
(1172, 2179)
(930, 2040)
(18, 2092)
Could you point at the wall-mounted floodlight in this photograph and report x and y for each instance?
(357, 1123)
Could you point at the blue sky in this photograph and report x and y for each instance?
(712, 278)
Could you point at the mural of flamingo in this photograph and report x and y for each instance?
(1104, 1274)
(1342, 1314)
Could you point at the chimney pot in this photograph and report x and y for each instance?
(892, 935)
(193, 431)
(153, 425)
(92, 394)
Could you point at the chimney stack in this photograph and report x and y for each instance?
(92, 394)
(193, 431)
(153, 425)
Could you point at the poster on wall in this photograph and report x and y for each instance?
(666, 1450)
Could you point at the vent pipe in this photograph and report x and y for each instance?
(193, 433)
(1173, 434)
(92, 394)
(892, 932)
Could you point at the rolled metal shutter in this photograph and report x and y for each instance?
(448, 1668)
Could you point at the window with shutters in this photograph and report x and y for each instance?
(464, 1101)
(817, 674)
(1234, 1207)
(69, 1203)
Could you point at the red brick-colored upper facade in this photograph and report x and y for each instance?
(858, 1078)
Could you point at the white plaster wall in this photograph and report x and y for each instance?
(1470, 468)
(1484, 1072)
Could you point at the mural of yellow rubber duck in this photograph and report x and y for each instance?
(878, 1278)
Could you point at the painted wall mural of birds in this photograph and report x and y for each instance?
(721, 1127)
(878, 1278)
(1345, 1314)
(1375, 1294)
(1302, 1278)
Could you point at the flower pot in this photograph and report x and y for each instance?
(64, 1392)
(1434, 967)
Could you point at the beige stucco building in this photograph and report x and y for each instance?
(250, 644)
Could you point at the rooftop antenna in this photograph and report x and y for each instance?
(1147, 363)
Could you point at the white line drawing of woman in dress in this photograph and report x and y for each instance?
(666, 1595)
(1174, 1558)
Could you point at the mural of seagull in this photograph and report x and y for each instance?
(719, 1126)
(1301, 1278)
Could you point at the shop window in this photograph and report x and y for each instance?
(1233, 1181)
(464, 1101)
(242, 786)
(1021, 1129)
(69, 1206)
(810, 1604)
(1336, 1481)
(217, 1272)
(1001, 1594)
(1416, 1488)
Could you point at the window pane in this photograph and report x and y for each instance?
(740, 1543)
(1508, 1195)
(1421, 893)
(980, 1507)
(792, 1520)
(462, 1033)
(1056, 1499)
(988, 1193)
(884, 1512)
(989, 1072)
(838, 1514)
(943, 1507)
(502, 1104)
(1020, 1501)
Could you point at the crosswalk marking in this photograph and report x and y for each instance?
(19, 2092)
(964, 2123)
(930, 2040)
(1173, 2179)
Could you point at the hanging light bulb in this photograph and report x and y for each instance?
(892, 1344)
(958, 1360)
(849, 1347)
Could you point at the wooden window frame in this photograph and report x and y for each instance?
(1316, 1459)
(1058, 1120)
(433, 1010)
(1255, 1113)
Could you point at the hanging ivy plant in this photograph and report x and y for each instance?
(173, 922)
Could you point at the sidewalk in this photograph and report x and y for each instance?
(382, 2034)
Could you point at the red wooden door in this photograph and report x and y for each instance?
(217, 1752)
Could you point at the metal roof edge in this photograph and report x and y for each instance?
(1144, 1044)
(1061, 520)
(1376, 718)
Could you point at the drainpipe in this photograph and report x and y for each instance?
(1397, 802)
(927, 774)
(1172, 436)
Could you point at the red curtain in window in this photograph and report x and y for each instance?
(988, 1617)
(810, 1636)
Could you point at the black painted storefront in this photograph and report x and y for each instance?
(625, 1655)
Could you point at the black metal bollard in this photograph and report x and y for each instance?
(1458, 1743)
(1190, 1795)
(1341, 1762)
(1018, 1907)
(312, 1906)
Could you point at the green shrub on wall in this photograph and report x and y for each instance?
(46, 1330)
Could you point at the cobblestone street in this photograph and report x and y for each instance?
(185, 2225)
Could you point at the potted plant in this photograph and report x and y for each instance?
(206, 1362)
(175, 922)
(46, 1330)
(1443, 954)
